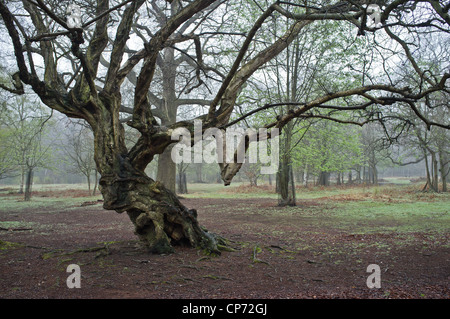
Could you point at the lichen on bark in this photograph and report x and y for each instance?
(161, 221)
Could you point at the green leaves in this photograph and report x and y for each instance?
(24, 125)
(8, 164)
(329, 147)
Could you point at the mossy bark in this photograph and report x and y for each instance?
(161, 221)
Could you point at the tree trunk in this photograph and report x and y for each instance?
(199, 173)
(286, 176)
(293, 200)
(435, 177)
(375, 175)
(160, 219)
(372, 174)
(324, 179)
(444, 169)
(365, 175)
(252, 180)
(29, 177)
(167, 170)
(22, 180)
(286, 185)
(427, 169)
(358, 174)
(182, 184)
(95, 182)
(277, 182)
(88, 177)
(305, 176)
(283, 185)
(185, 183)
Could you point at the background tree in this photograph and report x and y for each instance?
(433, 145)
(27, 124)
(176, 74)
(181, 178)
(8, 164)
(251, 168)
(79, 149)
(375, 150)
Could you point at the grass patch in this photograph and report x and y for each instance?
(15, 224)
(12, 204)
(5, 245)
(237, 190)
(374, 216)
(356, 209)
(244, 191)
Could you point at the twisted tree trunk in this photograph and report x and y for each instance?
(160, 219)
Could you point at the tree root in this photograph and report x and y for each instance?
(104, 251)
(161, 221)
(255, 259)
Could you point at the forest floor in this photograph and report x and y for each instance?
(320, 248)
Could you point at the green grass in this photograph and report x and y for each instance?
(397, 209)
(5, 245)
(203, 190)
(47, 187)
(11, 201)
(15, 224)
(372, 216)
(320, 192)
(398, 180)
(243, 190)
(14, 204)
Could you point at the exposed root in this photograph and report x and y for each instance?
(256, 251)
(161, 221)
(104, 250)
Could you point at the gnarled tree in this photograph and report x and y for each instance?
(38, 28)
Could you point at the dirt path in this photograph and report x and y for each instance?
(286, 256)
